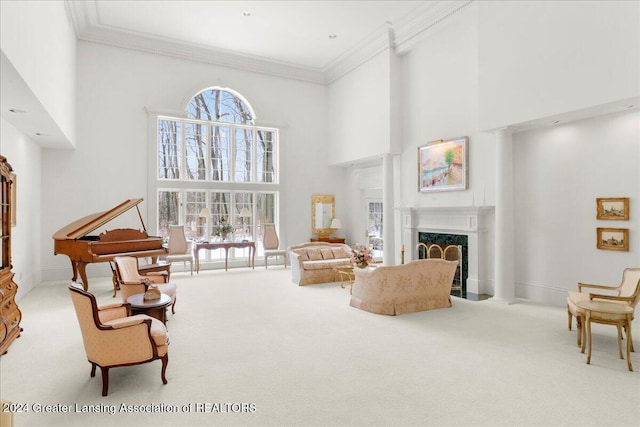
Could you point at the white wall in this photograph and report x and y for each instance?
(24, 155)
(110, 162)
(359, 112)
(38, 39)
(542, 58)
(440, 101)
(559, 173)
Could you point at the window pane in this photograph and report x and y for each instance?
(220, 153)
(244, 206)
(168, 149)
(195, 151)
(265, 156)
(220, 207)
(219, 106)
(243, 145)
(193, 225)
(375, 226)
(168, 211)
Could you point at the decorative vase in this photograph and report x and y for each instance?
(223, 234)
(362, 264)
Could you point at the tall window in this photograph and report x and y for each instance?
(216, 158)
(376, 237)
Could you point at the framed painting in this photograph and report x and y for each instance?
(613, 239)
(443, 165)
(613, 208)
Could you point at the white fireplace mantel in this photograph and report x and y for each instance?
(464, 220)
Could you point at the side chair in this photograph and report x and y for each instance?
(180, 249)
(112, 338)
(271, 244)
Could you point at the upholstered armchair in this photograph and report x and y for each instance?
(131, 282)
(112, 338)
(628, 293)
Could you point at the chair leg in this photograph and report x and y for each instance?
(165, 362)
(173, 306)
(626, 334)
(105, 380)
(579, 327)
(619, 326)
(569, 316)
(93, 369)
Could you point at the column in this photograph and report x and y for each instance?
(388, 252)
(504, 263)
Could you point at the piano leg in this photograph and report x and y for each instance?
(74, 267)
(81, 267)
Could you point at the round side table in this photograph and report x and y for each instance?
(608, 313)
(156, 308)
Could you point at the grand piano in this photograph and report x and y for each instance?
(74, 240)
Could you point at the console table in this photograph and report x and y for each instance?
(328, 239)
(226, 246)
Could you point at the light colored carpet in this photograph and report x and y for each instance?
(301, 356)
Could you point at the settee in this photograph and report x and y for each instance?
(313, 262)
(420, 285)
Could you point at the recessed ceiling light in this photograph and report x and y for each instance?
(16, 111)
(333, 36)
(556, 122)
(38, 134)
(630, 106)
(246, 13)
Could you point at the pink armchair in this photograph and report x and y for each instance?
(112, 338)
(131, 282)
(420, 285)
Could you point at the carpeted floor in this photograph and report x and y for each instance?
(251, 348)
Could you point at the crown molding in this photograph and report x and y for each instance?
(400, 37)
(422, 25)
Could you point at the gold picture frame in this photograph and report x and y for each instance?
(612, 208)
(612, 239)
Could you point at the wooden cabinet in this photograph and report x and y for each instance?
(328, 239)
(10, 314)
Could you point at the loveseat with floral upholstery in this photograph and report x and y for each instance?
(314, 262)
(420, 285)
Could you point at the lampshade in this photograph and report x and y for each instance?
(336, 223)
(245, 213)
(205, 213)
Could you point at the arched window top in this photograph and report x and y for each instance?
(220, 105)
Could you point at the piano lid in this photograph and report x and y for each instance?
(89, 223)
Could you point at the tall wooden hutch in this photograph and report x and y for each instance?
(10, 314)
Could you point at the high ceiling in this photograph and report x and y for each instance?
(310, 40)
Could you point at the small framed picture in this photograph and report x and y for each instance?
(613, 208)
(443, 165)
(613, 239)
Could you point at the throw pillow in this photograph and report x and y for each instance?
(327, 253)
(314, 254)
(340, 253)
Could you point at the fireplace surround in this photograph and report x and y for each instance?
(459, 223)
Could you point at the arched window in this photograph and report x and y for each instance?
(220, 105)
(218, 159)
